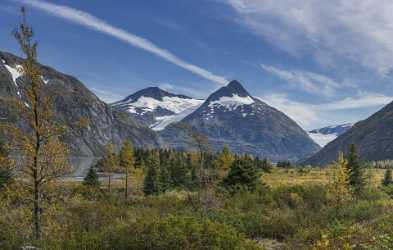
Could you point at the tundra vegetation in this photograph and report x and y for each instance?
(165, 199)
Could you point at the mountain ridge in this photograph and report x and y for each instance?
(72, 102)
(372, 137)
(155, 107)
(231, 116)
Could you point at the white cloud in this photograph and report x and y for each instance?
(89, 21)
(357, 30)
(307, 81)
(107, 96)
(191, 92)
(302, 113)
(366, 101)
(310, 116)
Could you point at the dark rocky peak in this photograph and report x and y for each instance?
(153, 92)
(233, 88)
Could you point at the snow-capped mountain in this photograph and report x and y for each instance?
(231, 116)
(157, 108)
(325, 135)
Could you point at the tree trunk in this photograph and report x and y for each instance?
(109, 183)
(126, 191)
(37, 231)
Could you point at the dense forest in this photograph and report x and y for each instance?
(160, 199)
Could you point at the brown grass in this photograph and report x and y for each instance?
(283, 177)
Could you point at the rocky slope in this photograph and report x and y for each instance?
(73, 102)
(231, 116)
(373, 137)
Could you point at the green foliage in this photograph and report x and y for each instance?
(298, 217)
(165, 180)
(284, 164)
(264, 164)
(243, 174)
(179, 168)
(178, 233)
(91, 178)
(356, 175)
(387, 179)
(152, 183)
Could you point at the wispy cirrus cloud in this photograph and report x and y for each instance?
(359, 31)
(89, 21)
(307, 81)
(365, 101)
(311, 116)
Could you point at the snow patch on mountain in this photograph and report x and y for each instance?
(46, 81)
(164, 121)
(321, 139)
(233, 102)
(325, 135)
(15, 72)
(174, 104)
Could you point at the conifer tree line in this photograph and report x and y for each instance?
(168, 169)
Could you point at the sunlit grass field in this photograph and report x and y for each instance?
(293, 176)
(278, 177)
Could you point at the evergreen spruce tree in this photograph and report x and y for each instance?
(165, 181)
(152, 185)
(264, 164)
(91, 179)
(179, 170)
(387, 179)
(356, 175)
(194, 178)
(126, 162)
(243, 174)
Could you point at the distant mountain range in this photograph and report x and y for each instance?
(230, 116)
(373, 138)
(325, 135)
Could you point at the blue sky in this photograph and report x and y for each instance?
(320, 62)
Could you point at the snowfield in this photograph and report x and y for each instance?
(164, 121)
(174, 104)
(233, 102)
(321, 139)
